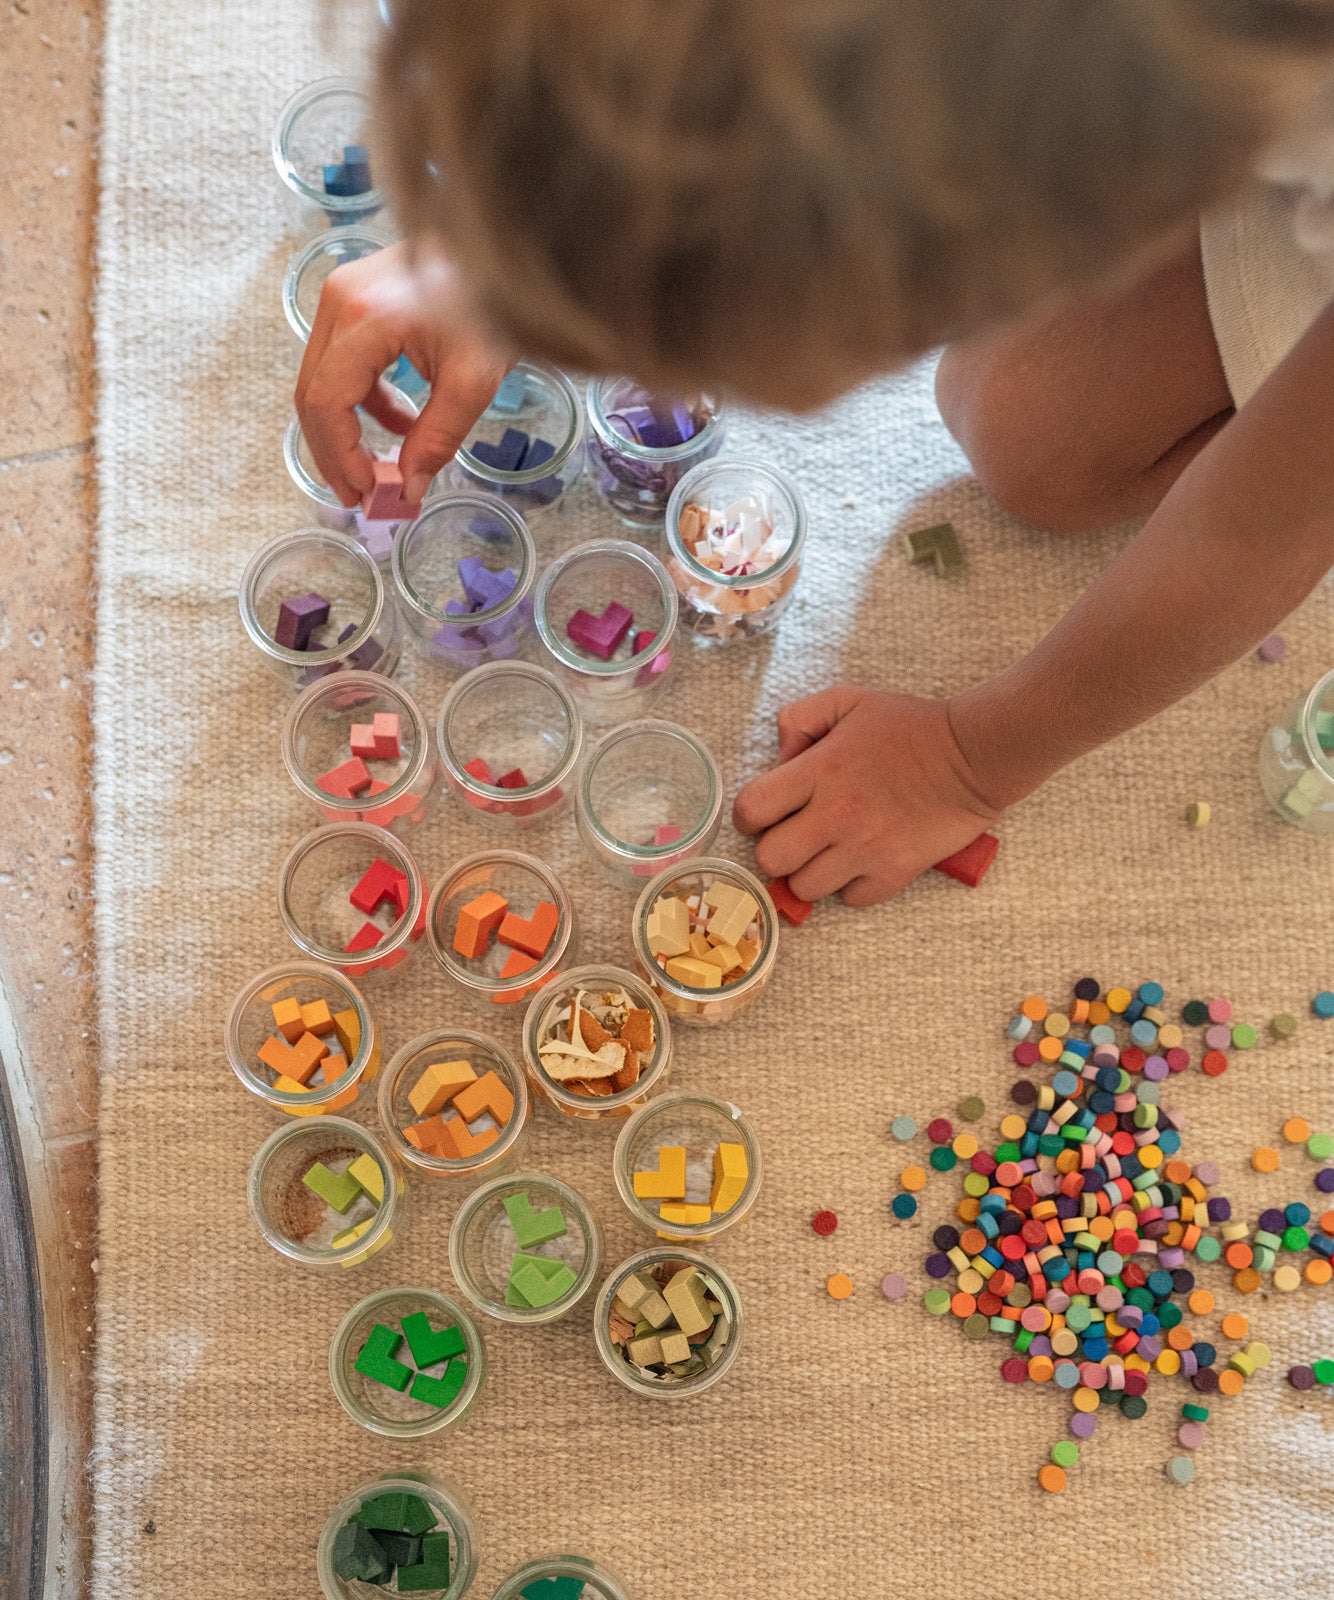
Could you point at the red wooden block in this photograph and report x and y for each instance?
(361, 740)
(366, 938)
(477, 768)
(379, 883)
(970, 864)
(789, 906)
(531, 936)
(512, 780)
(385, 731)
(346, 781)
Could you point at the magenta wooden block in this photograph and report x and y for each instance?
(600, 636)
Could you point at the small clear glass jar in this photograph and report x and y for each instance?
(699, 1125)
(526, 447)
(306, 272)
(1297, 760)
(294, 1220)
(389, 1412)
(587, 580)
(548, 1018)
(523, 881)
(401, 1077)
(723, 1344)
(318, 499)
(250, 1022)
(450, 569)
(509, 738)
(599, 1584)
(315, 888)
(315, 130)
(725, 518)
(454, 1515)
(640, 445)
(317, 740)
(686, 1003)
(483, 1244)
(362, 631)
(649, 795)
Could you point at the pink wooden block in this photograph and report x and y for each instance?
(361, 741)
(385, 731)
(384, 501)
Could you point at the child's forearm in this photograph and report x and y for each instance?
(1236, 544)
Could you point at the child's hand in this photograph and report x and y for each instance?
(372, 311)
(871, 789)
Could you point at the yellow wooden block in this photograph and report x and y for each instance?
(698, 974)
(290, 1085)
(317, 1017)
(358, 1256)
(366, 1171)
(668, 927)
(669, 1181)
(438, 1084)
(722, 956)
(287, 1019)
(681, 1211)
(730, 1174)
(348, 1029)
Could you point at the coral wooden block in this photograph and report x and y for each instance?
(489, 1093)
(459, 1142)
(789, 906)
(352, 778)
(361, 740)
(477, 921)
(533, 935)
(427, 1136)
(971, 864)
(385, 732)
(438, 1084)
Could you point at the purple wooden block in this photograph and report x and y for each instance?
(483, 587)
(631, 422)
(365, 655)
(507, 456)
(600, 636)
(298, 619)
(538, 453)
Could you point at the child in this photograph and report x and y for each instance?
(785, 199)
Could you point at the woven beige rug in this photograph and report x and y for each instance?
(860, 1449)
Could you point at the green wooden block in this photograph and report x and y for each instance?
(948, 552)
(376, 1360)
(540, 1280)
(418, 1517)
(565, 1587)
(403, 1549)
(357, 1554)
(429, 1346)
(443, 1391)
(384, 1511)
(336, 1189)
(432, 1572)
(534, 1227)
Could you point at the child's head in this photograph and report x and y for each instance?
(785, 196)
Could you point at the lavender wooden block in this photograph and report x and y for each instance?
(298, 619)
(483, 587)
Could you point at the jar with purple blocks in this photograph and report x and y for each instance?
(527, 446)
(463, 575)
(641, 445)
(313, 603)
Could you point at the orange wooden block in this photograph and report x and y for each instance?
(489, 1093)
(533, 935)
(516, 964)
(296, 1061)
(316, 1017)
(478, 920)
(429, 1136)
(458, 1141)
(287, 1019)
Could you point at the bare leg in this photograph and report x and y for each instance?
(1085, 414)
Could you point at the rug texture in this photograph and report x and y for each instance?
(858, 1448)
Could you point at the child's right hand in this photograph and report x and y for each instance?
(372, 311)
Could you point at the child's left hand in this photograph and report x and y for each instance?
(871, 789)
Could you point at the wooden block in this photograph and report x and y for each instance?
(380, 882)
(365, 1171)
(427, 1136)
(361, 740)
(477, 921)
(731, 919)
(730, 1174)
(675, 1346)
(352, 778)
(698, 974)
(287, 1019)
(438, 1084)
(348, 1030)
(385, 733)
(789, 906)
(723, 956)
(458, 1141)
(297, 1061)
(681, 1211)
(699, 944)
(749, 951)
(668, 927)
(531, 1227)
(366, 937)
(685, 1296)
(383, 501)
(336, 1189)
(641, 1298)
(533, 935)
(316, 1017)
(349, 1236)
(490, 1093)
(645, 1352)
(516, 964)
(333, 1066)
(669, 1181)
(291, 1086)
(971, 864)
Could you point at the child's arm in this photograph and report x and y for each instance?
(371, 311)
(875, 788)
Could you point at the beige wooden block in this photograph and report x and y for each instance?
(697, 974)
(645, 1352)
(729, 922)
(685, 1296)
(723, 956)
(668, 927)
(674, 1347)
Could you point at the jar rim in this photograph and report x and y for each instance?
(620, 549)
(274, 975)
(449, 500)
(609, 436)
(585, 977)
(304, 1127)
(779, 480)
(305, 97)
(372, 682)
(479, 678)
(322, 244)
(387, 846)
(546, 469)
(658, 727)
(435, 1039)
(272, 550)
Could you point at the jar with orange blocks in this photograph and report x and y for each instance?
(453, 1104)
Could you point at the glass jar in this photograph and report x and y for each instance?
(453, 1516)
(509, 739)
(376, 536)
(548, 1020)
(623, 665)
(1297, 760)
(501, 974)
(308, 269)
(404, 1078)
(319, 149)
(649, 795)
(699, 1004)
(599, 1584)
(318, 734)
(735, 534)
(296, 1221)
(378, 1407)
(251, 1021)
(484, 1245)
(463, 573)
(640, 445)
(721, 1348)
(698, 1125)
(312, 566)
(526, 447)
(315, 889)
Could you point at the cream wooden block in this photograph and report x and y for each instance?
(669, 927)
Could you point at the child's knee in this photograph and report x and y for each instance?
(1000, 411)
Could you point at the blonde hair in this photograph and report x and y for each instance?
(726, 191)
